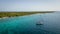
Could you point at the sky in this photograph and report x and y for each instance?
(29, 5)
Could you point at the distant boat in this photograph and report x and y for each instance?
(40, 23)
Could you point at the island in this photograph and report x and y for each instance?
(13, 14)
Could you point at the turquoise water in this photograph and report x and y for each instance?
(27, 24)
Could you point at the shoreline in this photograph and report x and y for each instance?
(15, 14)
(4, 17)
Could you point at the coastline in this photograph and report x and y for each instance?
(15, 14)
(4, 17)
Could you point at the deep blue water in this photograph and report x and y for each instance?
(27, 24)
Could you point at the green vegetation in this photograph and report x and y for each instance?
(13, 14)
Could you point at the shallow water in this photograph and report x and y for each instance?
(27, 24)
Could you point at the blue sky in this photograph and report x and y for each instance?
(29, 5)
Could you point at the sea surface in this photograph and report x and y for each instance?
(28, 24)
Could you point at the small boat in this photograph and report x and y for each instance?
(40, 23)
